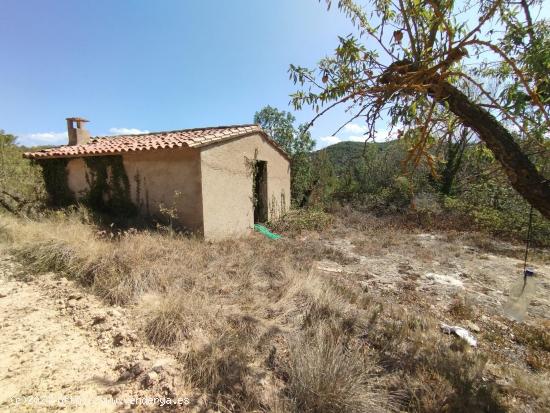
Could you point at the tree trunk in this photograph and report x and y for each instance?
(521, 172)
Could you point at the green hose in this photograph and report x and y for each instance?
(263, 230)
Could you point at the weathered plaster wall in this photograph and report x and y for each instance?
(227, 184)
(154, 177)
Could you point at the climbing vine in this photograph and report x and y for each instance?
(54, 173)
(109, 186)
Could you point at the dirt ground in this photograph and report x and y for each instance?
(436, 268)
(65, 350)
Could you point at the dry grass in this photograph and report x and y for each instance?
(258, 330)
(461, 309)
(326, 375)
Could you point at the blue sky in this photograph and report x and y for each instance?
(139, 65)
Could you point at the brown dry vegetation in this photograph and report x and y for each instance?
(258, 328)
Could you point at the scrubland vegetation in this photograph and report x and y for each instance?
(257, 327)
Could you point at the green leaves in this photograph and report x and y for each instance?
(297, 143)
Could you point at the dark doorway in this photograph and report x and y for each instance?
(260, 191)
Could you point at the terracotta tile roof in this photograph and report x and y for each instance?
(110, 145)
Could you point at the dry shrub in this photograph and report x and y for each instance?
(324, 375)
(221, 365)
(527, 385)
(461, 309)
(311, 300)
(534, 337)
(413, 347)
(171, 318)
(307, 219)
(428, 392)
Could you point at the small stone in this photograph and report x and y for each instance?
(71, 303)
(118, 339)
(150, 379)
(473, 326)
(112, 391)
(99, 317)
(160, 365)
(114, 313)
(75, 296)
(132, 372)
(79, 323)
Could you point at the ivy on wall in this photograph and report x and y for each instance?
(108, 186)
(54, 173)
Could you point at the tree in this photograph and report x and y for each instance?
(417, 59)
(20, 183)
(296, 142)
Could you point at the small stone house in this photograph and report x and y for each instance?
(215, 182)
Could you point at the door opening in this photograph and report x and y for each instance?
(260, 191)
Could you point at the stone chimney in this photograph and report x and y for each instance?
(77, 135)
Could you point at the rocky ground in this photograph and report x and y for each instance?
(433, 269)
(462, 281)
(63, 349)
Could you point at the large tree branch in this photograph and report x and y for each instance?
(521, 172)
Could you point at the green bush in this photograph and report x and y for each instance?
(308, 219)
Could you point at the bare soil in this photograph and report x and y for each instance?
(63, 349)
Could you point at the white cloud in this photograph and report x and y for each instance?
(127, 131)
(359, 136)
(43, 138)
(328, 140)
(355, 128)
(355, 138)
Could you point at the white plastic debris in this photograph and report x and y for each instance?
(448, 280)
(460, 332)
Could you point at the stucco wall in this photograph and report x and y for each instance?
(227, 185)
(154, 177)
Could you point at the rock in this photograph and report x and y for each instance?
(131, 336)
(3, 294)
(75, 296)
(114, 313)
(105, 327)
(112, 391)
(71, 303)
(131, 373)
(119, 339)
(99, 317)
(329, 266)
(79, 323)
(160, 365)
(150, 379)
(473, 326)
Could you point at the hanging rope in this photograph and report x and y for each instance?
(527, 272)
(529, 230)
